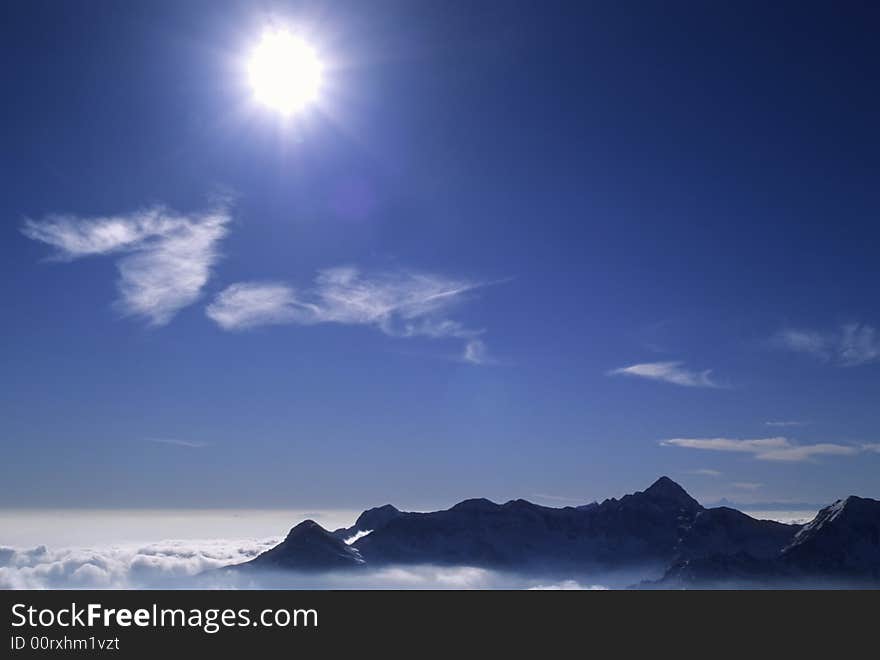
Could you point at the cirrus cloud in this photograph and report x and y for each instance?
(765, 449)
(705, 472)
(851, 345)
(668, 372)
(399, 304)
(165, 258)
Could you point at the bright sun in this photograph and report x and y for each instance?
(285, 72)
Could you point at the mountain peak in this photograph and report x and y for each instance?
(843, 513)
(305, 527)
(843, 538)
(666, 489)
(475, 504)
(665, 485)
(376, 517)
(309, 546)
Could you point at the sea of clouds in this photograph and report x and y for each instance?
(182, 564)
(167, 564)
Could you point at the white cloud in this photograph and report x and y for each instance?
(728, 444)
(859, 344)
(784, 423)
(872, 446)
(75, 237)
(167, 563)
(766, 449)
(166, 257)
(747, 485)
(193, 444)
(250, 304)
(361, 533)
(177, 564)
(475, 352)
(804, 341)
(559, 498)
(668, 372)
(705, 472)
(853, 344)
(399, 304)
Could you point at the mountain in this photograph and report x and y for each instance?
(719, 571)
(659, 531)
(839, 547)
(724, 531)
(308, 546)
(368, 521)
(640, 528)
(842, 540)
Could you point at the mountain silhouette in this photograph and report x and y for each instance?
(368, 521)
(842, 540)
(839, 547)
(308, 546)
(661, 531)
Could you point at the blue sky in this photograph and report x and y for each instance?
(540, 250)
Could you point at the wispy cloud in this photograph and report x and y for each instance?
(668, 372)
(765, 449)
(786, 423)
(558, 498)
(399, 304)
(165, 257)
(747, 485)
(475, 352)
(193, 444)
(851, 345)
(704, 472)
(873, 446)
(251, 304)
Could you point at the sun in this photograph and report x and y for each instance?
(285, 72)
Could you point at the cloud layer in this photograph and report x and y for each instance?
(168, 563)
(399, 304)
(182, 564)
(851, 345)
(765, 449)
(667, 372)
(165, 257)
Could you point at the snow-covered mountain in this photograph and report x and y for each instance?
(839, 547)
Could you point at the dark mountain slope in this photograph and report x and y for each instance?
(370, 520)
(308, 546)
(724, 531)
(642, 527)
(842, 540)
(839, 547)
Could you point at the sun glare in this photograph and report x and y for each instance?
(285, 72)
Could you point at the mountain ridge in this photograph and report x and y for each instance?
(662, 531)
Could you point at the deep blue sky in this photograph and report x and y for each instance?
(622, 184)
